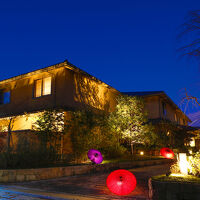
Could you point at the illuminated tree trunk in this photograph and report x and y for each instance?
(8, 150)
(131, 148)
(10, 126)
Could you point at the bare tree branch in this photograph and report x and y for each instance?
(190, 36)
(189, 100)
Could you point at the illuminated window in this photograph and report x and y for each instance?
(43, 87)
(38, 88)
(47, 86)
(4, 97)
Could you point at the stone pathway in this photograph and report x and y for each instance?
(9, 194)
(82, 187)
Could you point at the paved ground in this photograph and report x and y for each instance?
(81, 187)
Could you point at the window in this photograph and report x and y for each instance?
(42, 87)
(47, 86)
(164, 109)
(4, 97)
(38, 88)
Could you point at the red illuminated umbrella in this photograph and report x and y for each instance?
(167, 153)
(121, 182)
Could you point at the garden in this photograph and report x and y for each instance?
(59, 140)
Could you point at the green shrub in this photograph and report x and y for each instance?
(175, 169)
(28, 153)
(194, 162)
(28, 159)
(116, 151)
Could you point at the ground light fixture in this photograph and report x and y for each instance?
(141, 153)
(95, 156)
(121, 182)
(167, 153)
(183, 163)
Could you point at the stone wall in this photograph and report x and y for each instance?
(175, 191)
(20, 175)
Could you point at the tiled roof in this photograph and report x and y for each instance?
(65, 64)
(152, 93)
(143, 93)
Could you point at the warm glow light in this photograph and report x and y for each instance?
(141, 153)
(192, 143)
(38, 88)
(183, 163)
(168, 155)
(177, 175)
(168, 133)
(20, 122)
(43, 87)
(47, 86)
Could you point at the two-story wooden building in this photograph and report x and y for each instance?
(163, 113)
(61, 86)
(65, 87)
(160, 106)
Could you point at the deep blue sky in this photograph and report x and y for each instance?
(130, 45)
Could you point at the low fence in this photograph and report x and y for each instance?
(20, 175)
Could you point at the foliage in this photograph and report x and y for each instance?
(27, 154)
(181, 136)
(170, 135)
(50, 127)
(89, 130)
(175, 169)
(7, 126)
(194, 163)
(129, 121)
(115, 151)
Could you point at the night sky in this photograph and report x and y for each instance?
(130, 45)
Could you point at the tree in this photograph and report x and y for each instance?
(190, 47)
(190, 35)
(171, 135)
(129, 121)
(50, 128)
(88, 130)
(10, 124)
(7, 125)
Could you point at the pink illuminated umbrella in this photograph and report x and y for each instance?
(95, 156)
(167, 153)
(121, 182)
